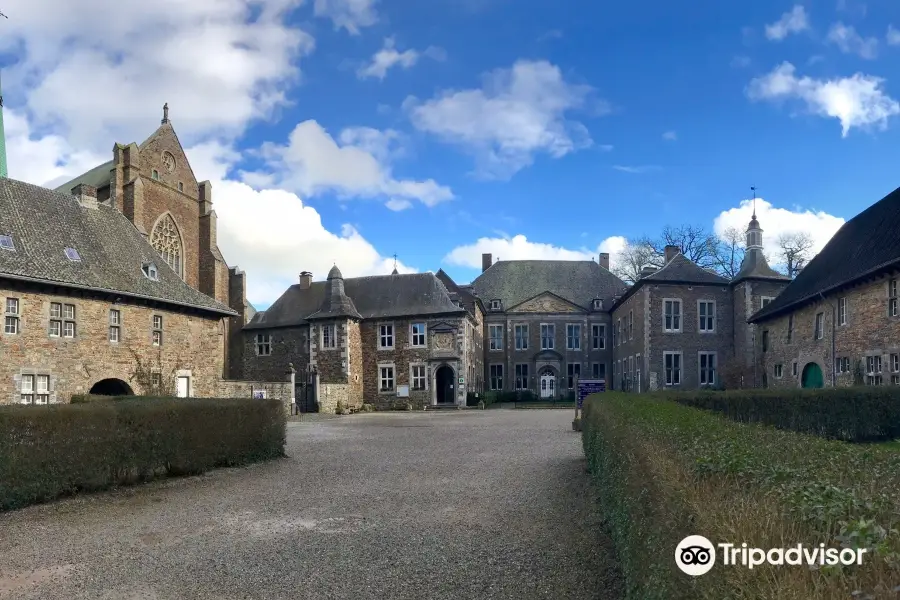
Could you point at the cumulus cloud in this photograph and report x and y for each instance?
(893, 36)
(388, 57)
(398, 204)
(520, 248)
(517, 114)
(857, 101)
(351, 15)
(794, 21)
(849, 41)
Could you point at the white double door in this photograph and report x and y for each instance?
(548, 385)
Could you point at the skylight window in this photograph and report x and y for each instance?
(72, 254)
(150, 271)
(6, 243)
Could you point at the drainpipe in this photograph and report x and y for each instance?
(833, 328)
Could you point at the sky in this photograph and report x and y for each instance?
(347, 131)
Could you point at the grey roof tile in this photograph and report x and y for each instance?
(682, 270)
(755, 266)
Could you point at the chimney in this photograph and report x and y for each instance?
(205, 193)
(486, 262)
(604, 260)
(672, 252)
(86, 194)
(647, 271)
(305, 280)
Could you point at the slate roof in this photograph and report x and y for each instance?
(376, 297)
(44, 222)
(97, 177)
(682, 270)
(336, 303)
(754, 266)
(579, 282)
(865, 245)
(458, 293)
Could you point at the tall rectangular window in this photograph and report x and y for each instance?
(11, 324)
(417, 331)
(386, 336)
(820, 326)
(630, 324)
(706, 311)
(790, 331)
(157, 330)
(574, 372)
(496, 372)
(765, 340)
(329, 336)
(573, 337)
(707, 368)
(873, 370)
(548, 333)
(522, 377)
(598, 337)
(521, 332)
(895, 369)
(263, 344)
(495, 333)
(672, 316)
(672, 365)
(115, 325)
(386, 377)
(418, 377)
(893, 308)
(842, 311)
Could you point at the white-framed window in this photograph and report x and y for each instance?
(764, 301)
(598, 336)
(842, 311)
(820, 326)
(263, 344)
(35, 389)
(156, 380)
(417, 376)
(386, 336)
(873, 370)
(573, 336)
(598, 304)
(672, 315)
(521, 335)
(62, 320)
(794, 368)
(893, 308)
(629, 377)
(150, 271)
(329, 336)
(115, 325)
(157, 330)
(522, 377)
(595, 371)
(417, 335)
(495, 305)
(631, 324)
(495, 335)
(386, 378)
(548, 335)
(707, 366)
(496, 372)
(790, 331)
(11, 323)
(778, 370)
(843, 364)
(706, 316)
(573, 372)
(672, 367)
(895, 369)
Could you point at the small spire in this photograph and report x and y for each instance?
(165, 118)
(394, 272)
(753, 188)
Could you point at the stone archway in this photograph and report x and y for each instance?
(111, 387)
(443, 385)
(812, 376)
(548, 382)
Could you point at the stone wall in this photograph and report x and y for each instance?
(280, 390)
(748, 296)
(289, 345)
(633, 345)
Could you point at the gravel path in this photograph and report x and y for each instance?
(471, 504)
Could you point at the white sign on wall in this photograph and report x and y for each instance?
(403, 391)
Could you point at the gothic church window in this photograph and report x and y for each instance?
(167, 241)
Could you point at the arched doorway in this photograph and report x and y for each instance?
(111, 387)
(443, 385)
(547, 379)
(812, 376)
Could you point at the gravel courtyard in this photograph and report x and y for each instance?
(468, 504)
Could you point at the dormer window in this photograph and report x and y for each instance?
(495, 305)
(6, 243)
(154, 174)
(598, 304)
(150, 271)
(72, 254)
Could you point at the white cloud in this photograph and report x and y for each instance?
(637, 170)
(857, 101)
(518, 113)
(794, 21)
(849, 41)
(670, 136)
(358, 165)
(519, 248)
(352, 15)
(398, 204)
(386, 58)
(893, 36)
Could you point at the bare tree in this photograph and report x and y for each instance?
(695, 242)
(636, 255)
(793, 251)
(729, 253)
(155, 377)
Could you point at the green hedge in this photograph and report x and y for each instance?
(666, 471)
(51, 451)
(858, 414)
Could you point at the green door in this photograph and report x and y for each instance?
(812, 376)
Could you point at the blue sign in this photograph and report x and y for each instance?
(586, 387)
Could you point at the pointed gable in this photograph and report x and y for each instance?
(163, 152)
(546, 302)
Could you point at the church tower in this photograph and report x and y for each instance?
(3, 171)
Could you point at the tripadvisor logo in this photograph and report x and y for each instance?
(695, 555)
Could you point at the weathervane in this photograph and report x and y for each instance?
(753, 188)
(395, 260)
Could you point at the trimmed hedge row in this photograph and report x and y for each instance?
(52, 451)
(857, 414)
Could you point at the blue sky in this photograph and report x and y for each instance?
(528, 129)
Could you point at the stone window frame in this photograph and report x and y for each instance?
(156, 330)
(495, 376)
(65, 320)
(842, 311)
(34, 389)
(819, 326)
(679, 316)
(764, 340)
(264, 344)
(381, 335)
(598, 304)
(705, 372)
(115, 326)
(412, 377)
(893, 303)
(764, 301)
(631, 324)
(551, 336)
(382, 377)
(575, 337)
(598, 342)
(12, 324)
(496, 304)
(413, 335)
(794, 368)
(675, 370)
(520, 376)
(181, 186)
(778, 370)
(492, 327)
(874, 369)
(328, 342)
(895, 362)
(523, 327)
(843, 364)
(571, 375)
(595, 370)
(154, 174)
(708, 318)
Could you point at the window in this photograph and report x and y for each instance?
(598, 337)
(893, 309)
(842, 311)
(521, 377)
(417, 331)
(765, 340)
(62, 320)
(385, 336)
(495, 305)
(521, 334)
(764, 301)
(387, 378)
(496, 377)
(794, 368)
(573, 337)
(329, 336)
(157, 330)
(820, 326)
(873, 370)
(843, 364)
(706, 311)
(72, 254)
(166, 239)
(790, 331)
(779, 371)
(595, 370)
(154, 174)
(35, 389)
(263, 344)
(630, 324)
(672, 316)
(115, 322)
(6, 243)
(574, 372)
(156, 380)
(548, 333)
(707, 362)
(495, 333)
(150, 271)
(598, 304)
(672, 364)
(11, 324)
(418, 377)
(180, 186)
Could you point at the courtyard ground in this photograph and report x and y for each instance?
(457, 504)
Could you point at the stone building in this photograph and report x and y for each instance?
(377, 340)
(838, 322)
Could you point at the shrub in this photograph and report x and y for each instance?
(51, 451)
(857, 414)
(85, 398)
(339, 409)
(367, 407)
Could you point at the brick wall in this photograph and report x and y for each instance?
(630, 343)
(748, 296)
(289, 345)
